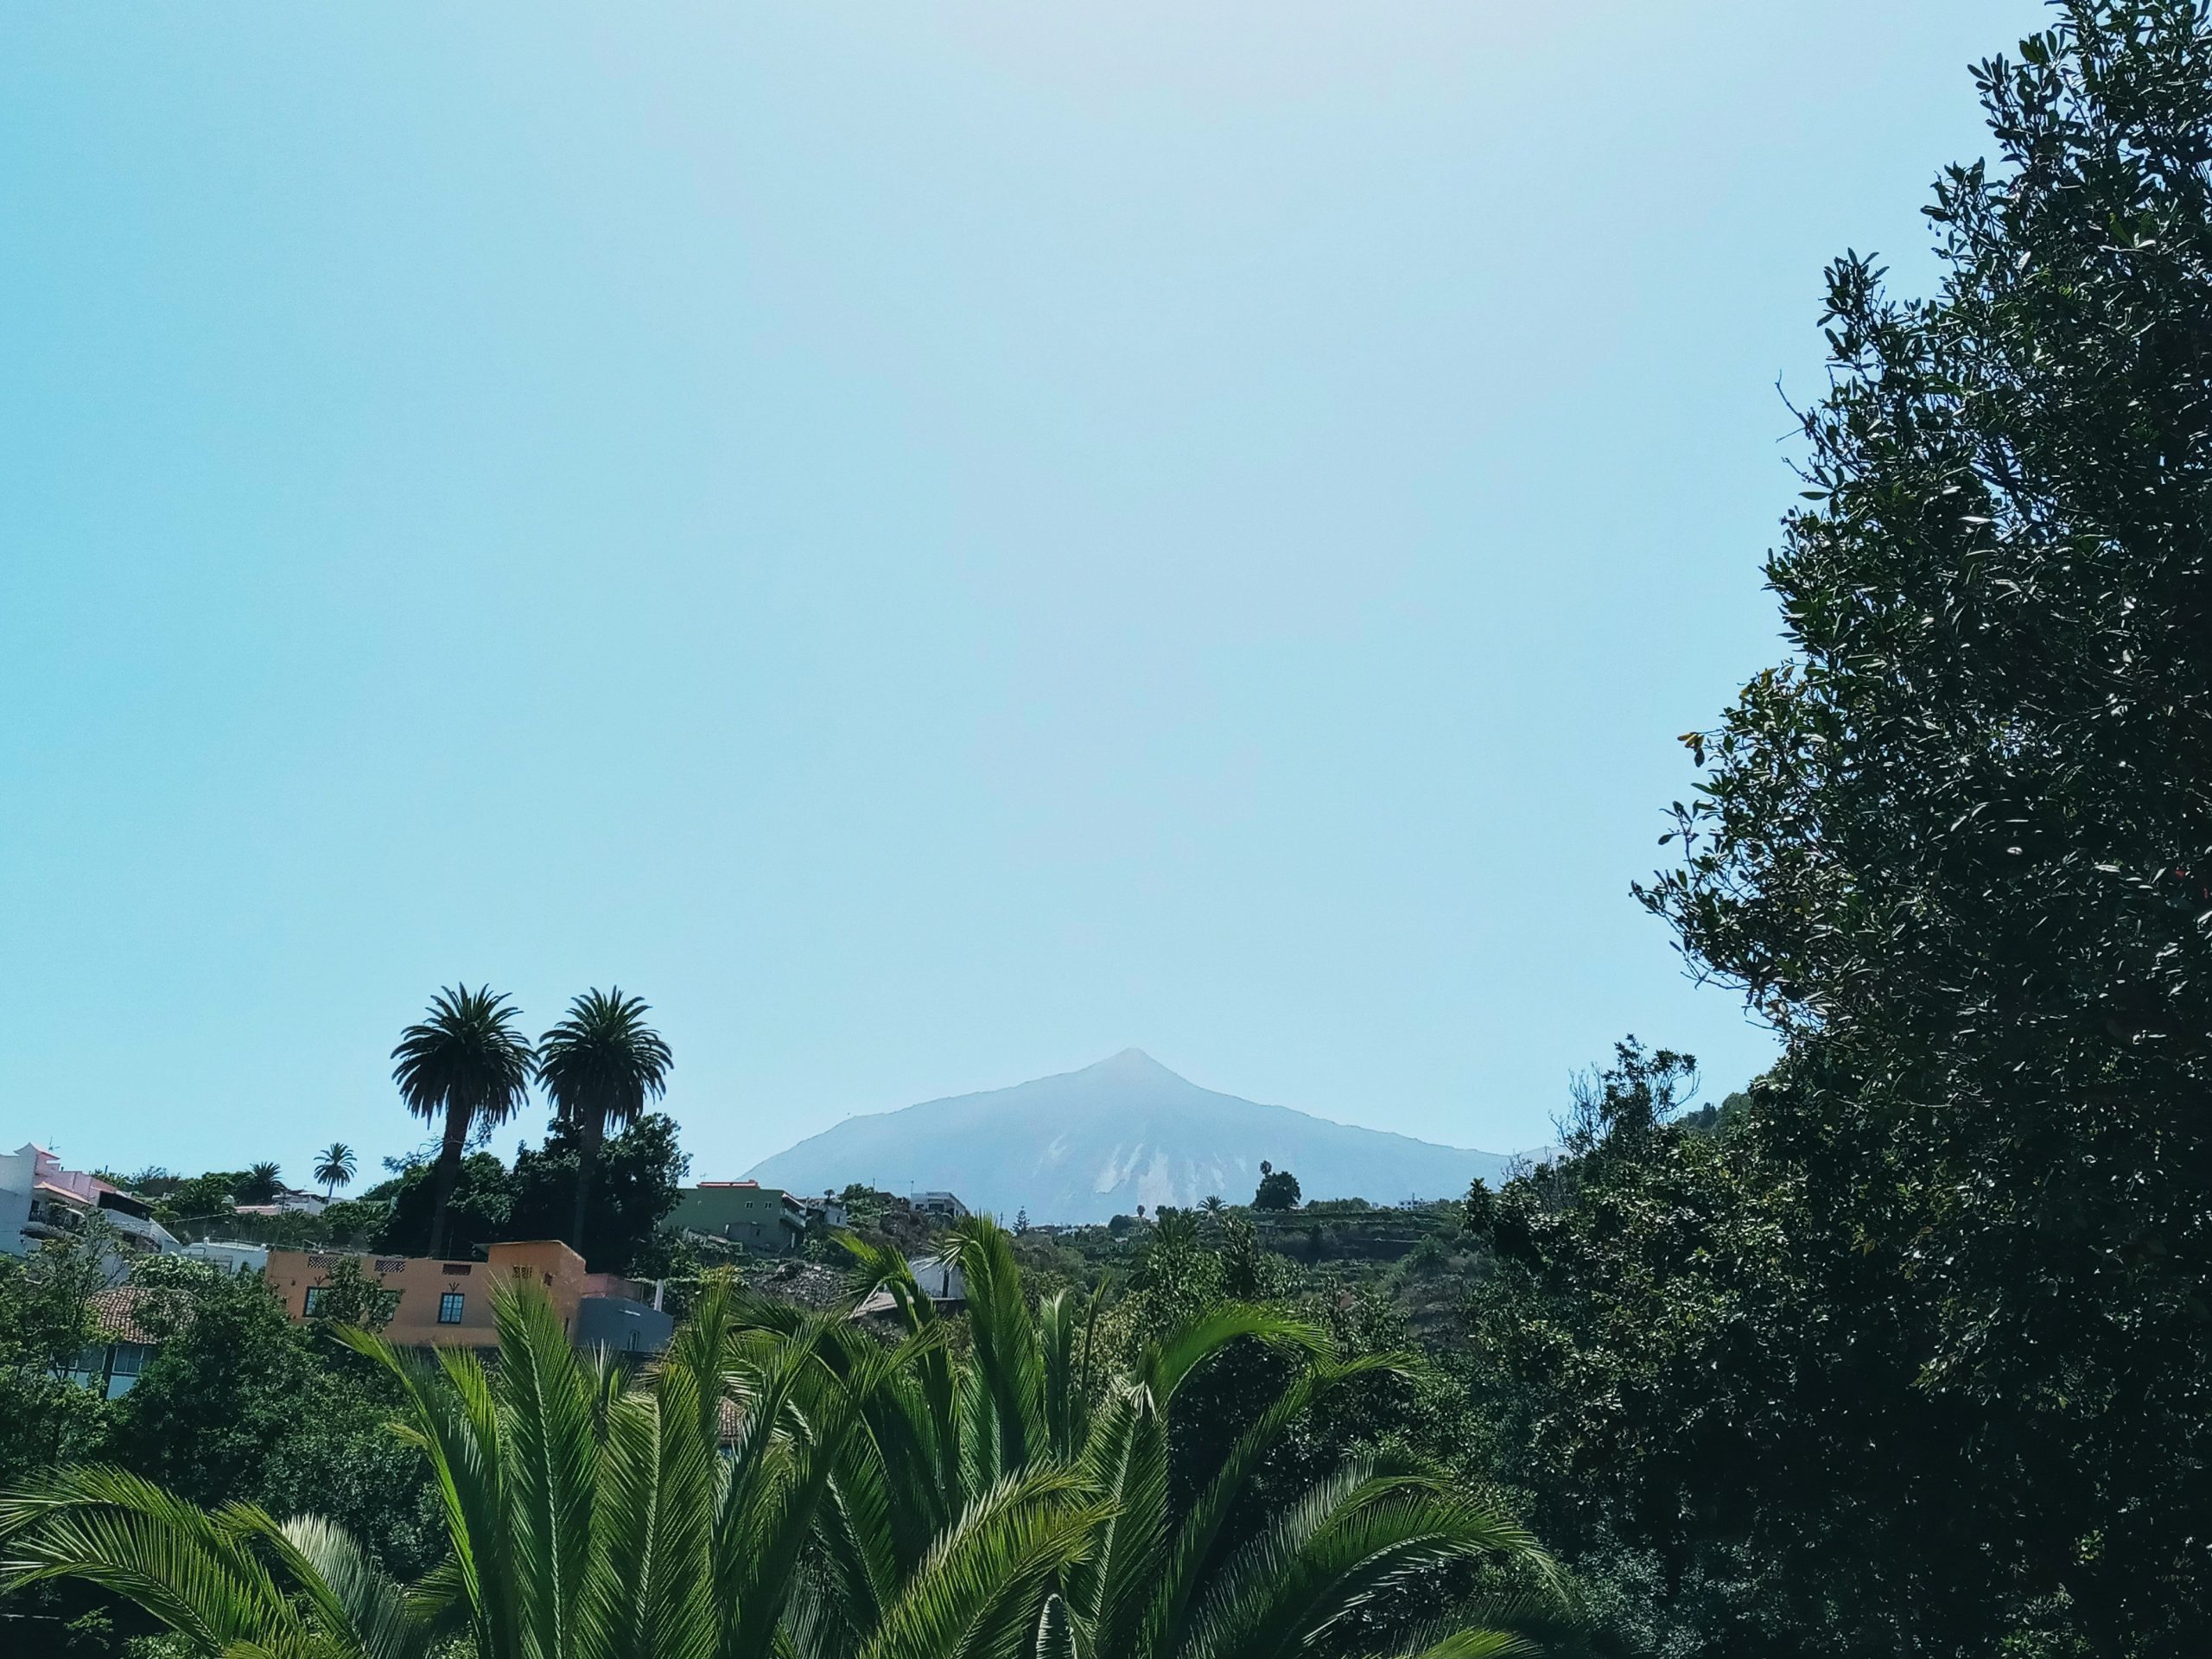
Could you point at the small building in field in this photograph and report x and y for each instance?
(766, 1219)
(438, 1303)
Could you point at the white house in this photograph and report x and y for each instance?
(39, 1200)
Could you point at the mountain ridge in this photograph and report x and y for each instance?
(1083, 1146)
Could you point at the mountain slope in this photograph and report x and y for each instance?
(1087, 1145)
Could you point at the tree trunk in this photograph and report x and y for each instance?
(590, 1131)
(449, 1171)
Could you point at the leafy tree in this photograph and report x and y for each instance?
(201, 1199)
(353, 1221)
(640, 1181)
(1278, 1189)
(479, 1205)
(228, 1380)
(641, 1178)
(467, 1066)
(1655, 1341)
(334, 1167)
(47, 1319)
(600, 1066)
(1955, 848)
(1174, 1229)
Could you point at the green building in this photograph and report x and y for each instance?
(766, 1219)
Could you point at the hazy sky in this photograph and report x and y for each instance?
(933, 542)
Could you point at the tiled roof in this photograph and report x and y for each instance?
(116, 1314)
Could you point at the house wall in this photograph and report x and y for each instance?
(621, 1326)
(423, 1282)
(764, 1218)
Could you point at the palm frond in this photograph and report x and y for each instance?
(1352, 1537)
(194, 1570)
(979, 1591)
(547, 1460)
(1198, 1540)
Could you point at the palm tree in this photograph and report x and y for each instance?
(260, 1184)
(468, 1065)
(1153, 1585)
(783, 1482)
(737, 1499)
(600, 1065)
(334, 1167)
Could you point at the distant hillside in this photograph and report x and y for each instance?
(1089, 1144)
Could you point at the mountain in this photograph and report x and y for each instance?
(1087, 1145)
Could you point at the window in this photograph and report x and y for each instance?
(449, 1307)
(315, 1302)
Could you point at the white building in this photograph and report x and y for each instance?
(39, 1200)
(944, 1206)
(830, 1207)
(288, 1201)
(229, 1256)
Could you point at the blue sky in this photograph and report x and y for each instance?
(933, 542)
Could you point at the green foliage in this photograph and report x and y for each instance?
(202, 1199)
(1954, 848)
(480, 1207)
(353, 1221)
(638, 1184)
(589, 1515)
(1191, 1564)
(466, 1068)
(641, 1174)
(259, 1184)
(334, 1166)
(46, 1322)
(600, 1066)
(239, 1404)
(1278, 1189)
(228, 1376)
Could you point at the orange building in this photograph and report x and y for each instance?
(449, 1304)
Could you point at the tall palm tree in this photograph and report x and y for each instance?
(468, 1065)
(334, 1167)
(600, 1065)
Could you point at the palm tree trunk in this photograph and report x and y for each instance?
(449, 1171)
(589, 1133)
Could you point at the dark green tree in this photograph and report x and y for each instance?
(479, 1209)
(1957, 848)
(334, 1167)
(640, 1179)
(465, 1066)
(228, 1379)
(1278, 1189)
(48, 1319)
(202, 1200)
(261, 1185)
(600, 1066)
